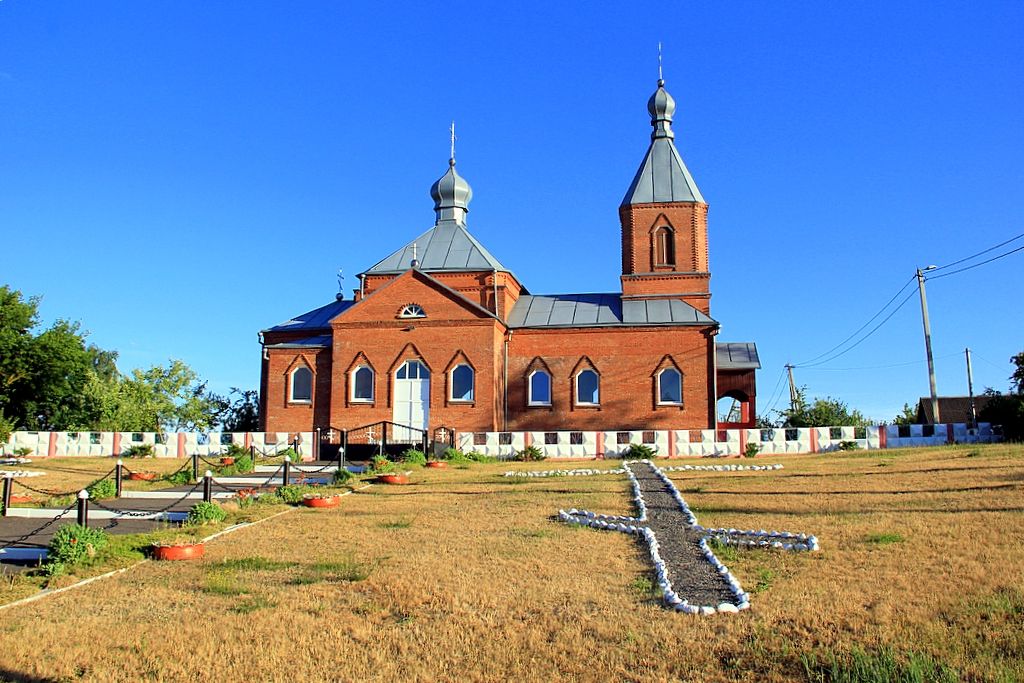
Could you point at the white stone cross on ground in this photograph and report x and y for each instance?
(691, 578)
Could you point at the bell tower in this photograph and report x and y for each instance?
(664, 221)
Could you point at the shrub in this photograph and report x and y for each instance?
(293, 493)
(479, 457)
(848, 446)
(751, 450)
(205, 513)
(22, 452)
(291, 454)
(381, 464)
(452, 454)
(6, 427)
(530, 454)
(413, 457)
(180, 478)
(72, 544)
(139, 450)
(102, 489)
(638, 451)
(342, 476)
(236, 451)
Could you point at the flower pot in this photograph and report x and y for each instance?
(19, 498)
(393, 479)
(227, 461)
(142, 476)
(321, 502)
(189, 551)
(438, 464)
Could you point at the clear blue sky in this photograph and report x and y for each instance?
(178, 176)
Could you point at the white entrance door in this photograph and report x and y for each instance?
(412, 400)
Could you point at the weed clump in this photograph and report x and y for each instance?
(205, 513)
(411, 456)
(71, 545)
(102, 489)
(638, 451)
(530, 454)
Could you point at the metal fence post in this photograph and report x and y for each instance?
(316, 446)
(8, 485)
(208, 487)
(118, 476)
(195, 467)
(287, 469)
(83, 508)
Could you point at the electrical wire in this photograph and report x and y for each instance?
(808, 363)
(975, 265)
(894, 365)
(862, 339)
(968, 258)
(775, 392)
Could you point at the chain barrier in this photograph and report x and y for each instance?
(41, 529)
(58, 494)
(222, 487)
(143, 513)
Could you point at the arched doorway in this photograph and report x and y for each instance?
(412, 399)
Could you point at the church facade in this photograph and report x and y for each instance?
(440, 334)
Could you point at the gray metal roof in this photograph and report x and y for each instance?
(317, 319)
(446, 246)
(663, 177)
(320, 341)
(601, 310)
(737, 356)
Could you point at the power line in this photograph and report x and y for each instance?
(865, 337)
(776, 393)
(960, 270)
(893, 365)
(968, 258)
(858, 330)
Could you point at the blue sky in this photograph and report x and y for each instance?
(178, 176)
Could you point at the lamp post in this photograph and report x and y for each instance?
(928, 343)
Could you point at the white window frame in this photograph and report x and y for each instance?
(529, 389)
(576, 388)
(451, 384)
(373, 385)
(680, 375)
(412, 311)
(291, 385)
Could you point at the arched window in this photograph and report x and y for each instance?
(670, 386)
(587, 391)
(539, 386)
(301, 385)
(413, 369)
(362, 384)
(412, 311)
(664, 246)
(461, 383)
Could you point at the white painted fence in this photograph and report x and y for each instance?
(710, 442)
(165, 445)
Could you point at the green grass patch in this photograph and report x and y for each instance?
(531, 533)
(400, 523)
(222, 583)
(723, 551)
(643, 587)
(251, 564)
(884, 539)
(765, 578)
(346, 569)
(249, 605)
(881, 666)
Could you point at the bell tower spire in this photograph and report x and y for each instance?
(664, 218)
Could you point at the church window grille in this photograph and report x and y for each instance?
(461, 383)
(670, 387)
(587, 388)
(412, 311)
(362, 384)
(413, 369)
(301, 385)
(539, 388)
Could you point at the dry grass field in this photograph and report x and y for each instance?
(464, 575)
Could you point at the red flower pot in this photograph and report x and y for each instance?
(17, 498)
(142, 476)
(227, 461)
(438, 464)
(393, 479)
(328, 502)
(192, 551)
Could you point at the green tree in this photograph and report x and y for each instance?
(241, 414)
(1017, 378)
(823, 412)
(907, 416)
(1007, 411)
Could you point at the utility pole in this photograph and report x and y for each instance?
(928, 344)
(793, 395)
(970, 388)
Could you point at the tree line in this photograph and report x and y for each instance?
(53, 379)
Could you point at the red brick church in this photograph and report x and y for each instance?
(441, 333)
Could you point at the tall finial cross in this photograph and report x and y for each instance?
(415, 260)
(660, 77)
(452, 129)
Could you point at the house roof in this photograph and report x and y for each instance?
(952, 409)
(737, 356)
(601, 310)
(317, 319)
(447, 246)
(322, 341)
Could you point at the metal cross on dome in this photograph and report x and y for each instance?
(691, 578)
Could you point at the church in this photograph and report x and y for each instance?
(441, 335)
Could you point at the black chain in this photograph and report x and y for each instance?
(143, 513)
(40, 529)
(56, 494)
(221, 486)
